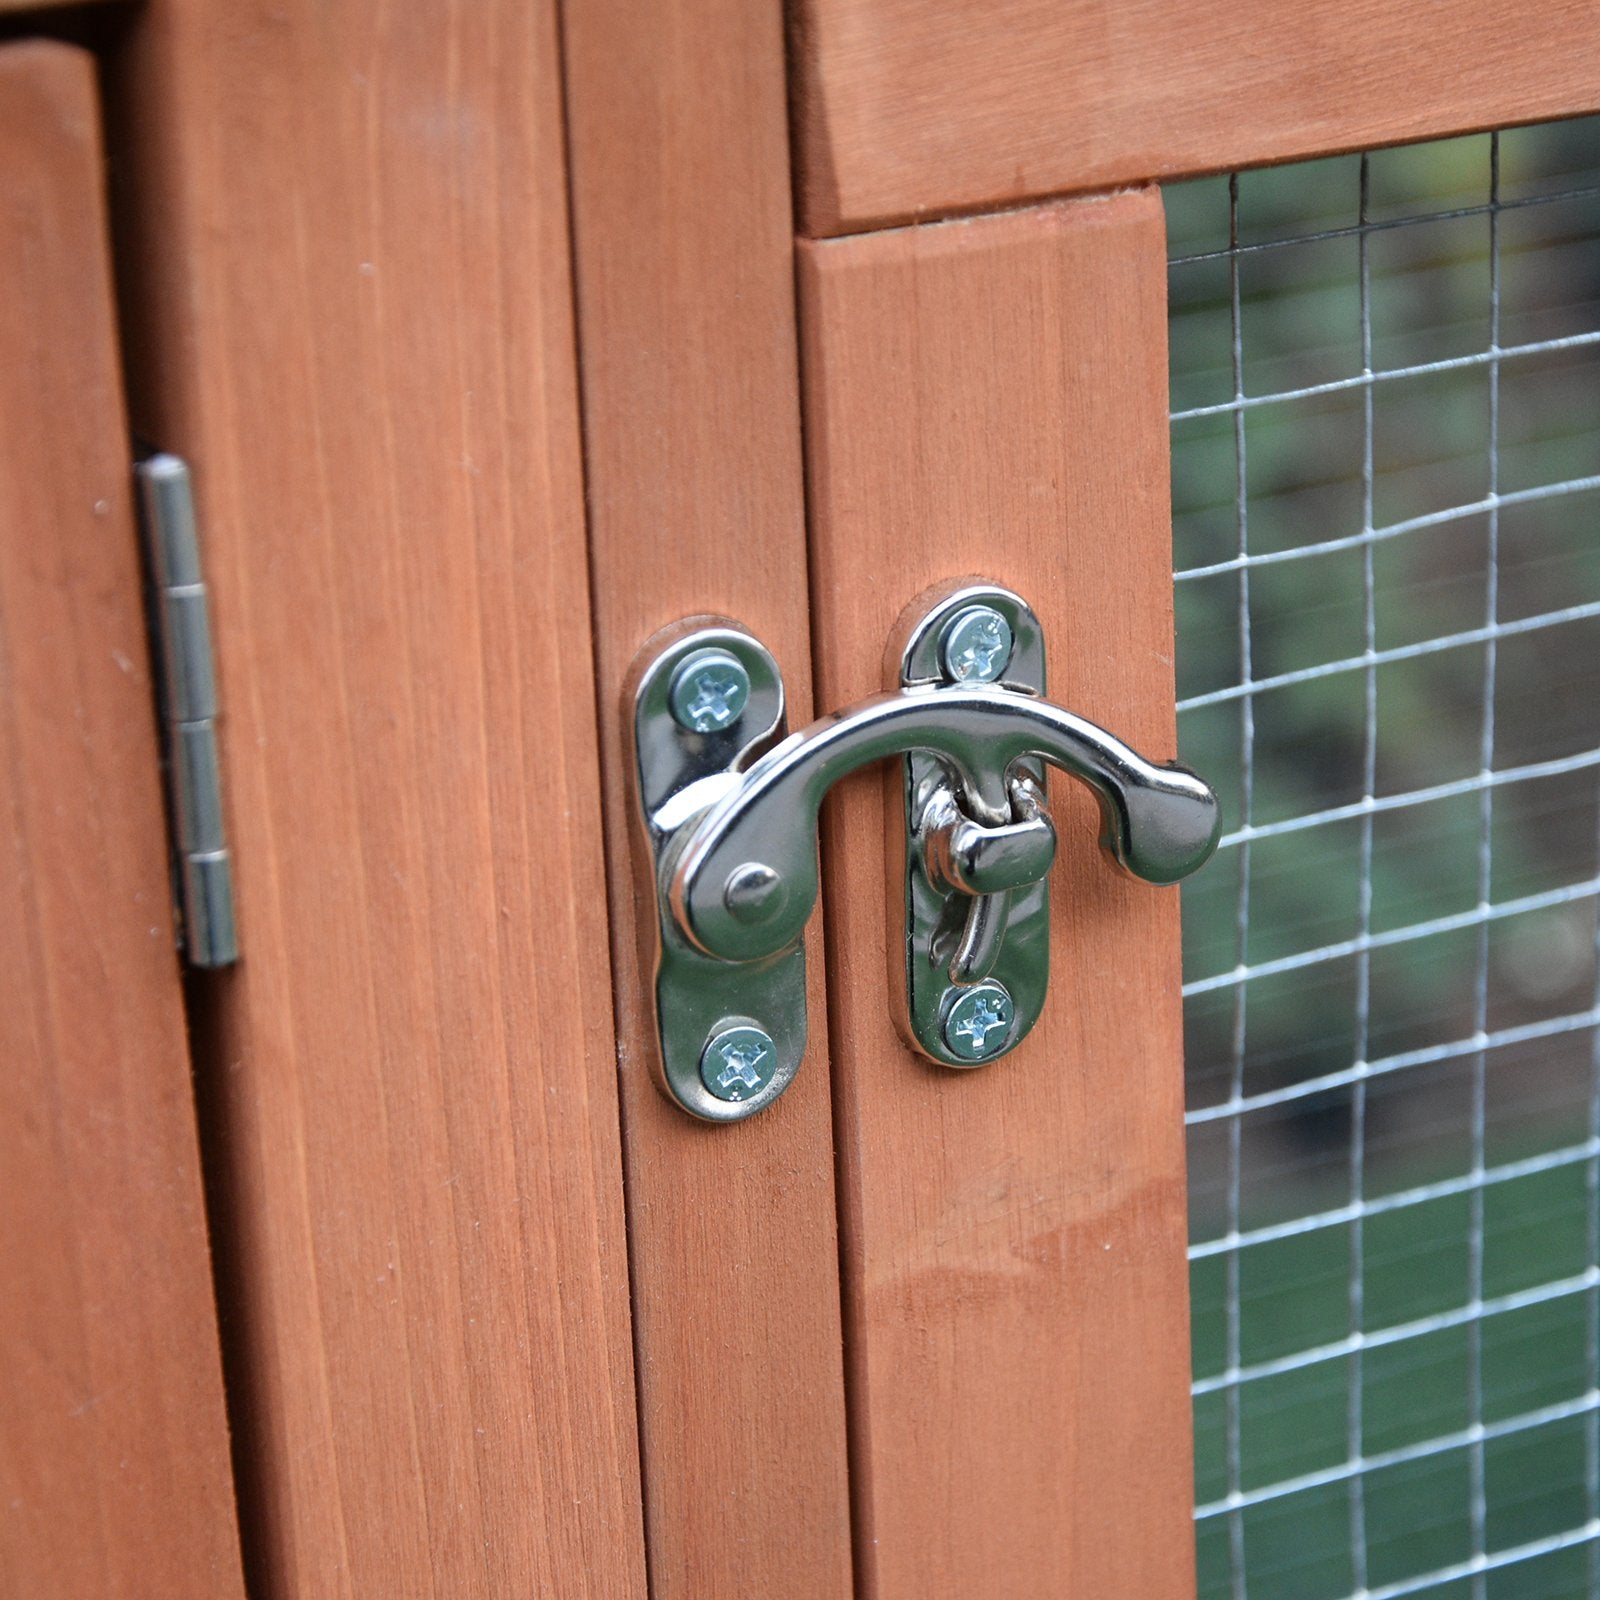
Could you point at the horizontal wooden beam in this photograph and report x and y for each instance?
(923, 107)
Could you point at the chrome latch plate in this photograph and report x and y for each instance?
(731, 1033)
(977, 967)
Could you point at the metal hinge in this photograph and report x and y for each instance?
(202, 869)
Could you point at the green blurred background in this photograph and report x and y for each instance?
(1429, 300)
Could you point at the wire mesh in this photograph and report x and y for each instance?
(1386, 452)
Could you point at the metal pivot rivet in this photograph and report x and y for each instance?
(738, 1062)
(978, 1022)
(976, 647)
(709, 691)
(754, 893)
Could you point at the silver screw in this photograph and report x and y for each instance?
(976, 647)
(738, 1062)
(978, 1022)
(709, 691)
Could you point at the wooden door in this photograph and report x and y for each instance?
(983, 310)
(114, 1471)
(499, 337)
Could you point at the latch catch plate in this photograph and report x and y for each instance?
(731, 1033)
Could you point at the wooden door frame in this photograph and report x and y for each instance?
(921, 108)
(345, 268)
(681, 195)
(987, 397)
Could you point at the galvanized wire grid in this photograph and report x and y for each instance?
(1386, 381)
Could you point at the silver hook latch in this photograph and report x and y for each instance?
(729, 807)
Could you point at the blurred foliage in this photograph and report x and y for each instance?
(1429, 298)
(1439, 440)
(1416, 1517)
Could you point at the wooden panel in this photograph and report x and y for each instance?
(912, 107)
(989, 398)
(348, 257)
(681, 197)
(114, 1476)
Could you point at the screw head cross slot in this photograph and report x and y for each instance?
(978, 1022)
(738, 1062)
(709, 691)
(977, 645)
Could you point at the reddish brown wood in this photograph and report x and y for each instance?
(989, 398)
(692, 430)
(917, 107)
(348, 270)
(114, 1476)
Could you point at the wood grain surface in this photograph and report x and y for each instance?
(681, 200)
(114, 1475)
(988, 398)
(347, 269)
(919, 107)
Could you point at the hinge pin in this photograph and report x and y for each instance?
(189, 710)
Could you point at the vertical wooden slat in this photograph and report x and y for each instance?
(347, 266)
(988, 398)
(691, 410)
(114, 1476)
